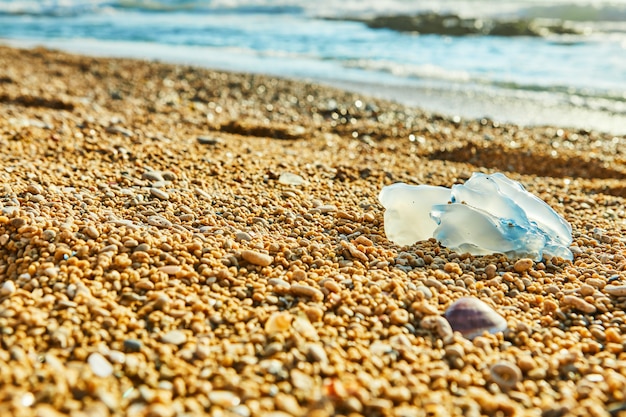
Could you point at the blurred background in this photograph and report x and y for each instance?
(556, 62)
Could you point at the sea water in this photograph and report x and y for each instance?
(570, 79)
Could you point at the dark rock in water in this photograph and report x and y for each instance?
(426, 24)
(453, 25)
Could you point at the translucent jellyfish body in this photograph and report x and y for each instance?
(407, 211)
(488, 214)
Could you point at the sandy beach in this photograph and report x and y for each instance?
(176, 241)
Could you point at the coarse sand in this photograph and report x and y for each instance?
(176, 241)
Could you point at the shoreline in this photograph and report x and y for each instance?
(180, 241)
(525, 109)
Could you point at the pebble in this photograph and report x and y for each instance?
(158, 221)
(152, 176)
(578, 303)
(300, 290)
(170, 269)
(327, 208)
(288, 403)
(616, 290)
(99, 365)
(241, 410)
(208, 140)
(116, 356)
(317, 353)
(160, 194)
(523, 265)
(18, 222)
(8, 288)
(109, 248)
(49, 235)
(428, 294)
(34, 188)
(399, 316)
(256, 258)
(303, 326)
(121, 130)
(280, 285)
(363, 240)
(399, 394)
(169, 176)
(174, 337)
(278, 322)
(288, 178)
(27, 400)
(332, 286)
(354, 251)
(225, 399)
(491, 271)
(131, 243)
(277, 414)
(159, 410)
(301, 380)
(242, 236)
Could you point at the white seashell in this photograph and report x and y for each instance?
(472, 317)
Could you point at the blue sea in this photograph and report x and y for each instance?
(571, 72)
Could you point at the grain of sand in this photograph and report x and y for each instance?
(152, 263)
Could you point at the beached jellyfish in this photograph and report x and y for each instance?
(407, 214)
(487, 214)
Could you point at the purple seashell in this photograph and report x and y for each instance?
(472, 317)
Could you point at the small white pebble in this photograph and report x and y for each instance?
(99, 365)
(8, 288)
(328, 208)
(116, 356)
(242, 236)
(92, 232)
(27, 399)
(317, 353)
(288, 178)
(225, 399)
(174, 337)
(170, 269)
(152, 176)
(160, 194)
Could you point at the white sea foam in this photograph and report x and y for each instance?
(427, 71)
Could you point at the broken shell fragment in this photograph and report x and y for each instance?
(472, 317)
(505, 374)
